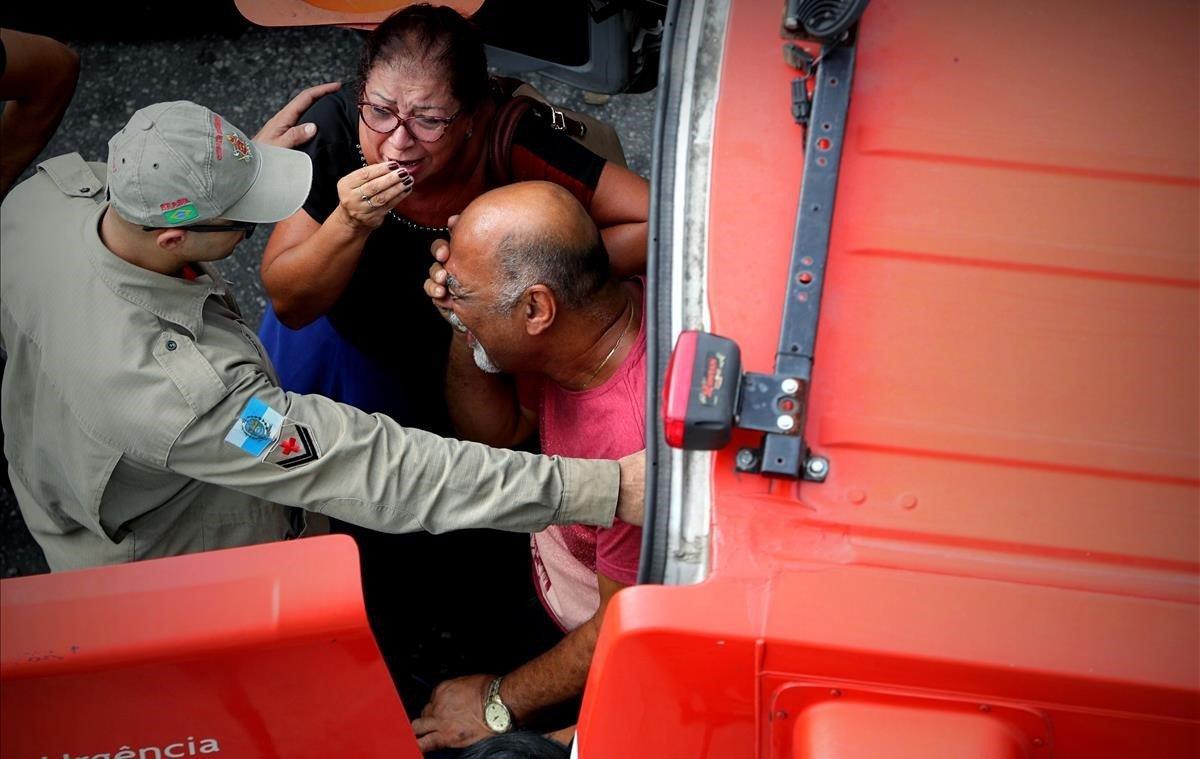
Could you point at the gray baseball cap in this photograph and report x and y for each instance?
(179, 163)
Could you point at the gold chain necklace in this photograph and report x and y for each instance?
(616, 345)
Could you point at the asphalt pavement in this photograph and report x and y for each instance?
(245, 73)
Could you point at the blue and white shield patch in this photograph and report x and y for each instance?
(256, 429)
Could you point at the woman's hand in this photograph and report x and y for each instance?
(366, 195)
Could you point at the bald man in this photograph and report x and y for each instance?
(527, 285)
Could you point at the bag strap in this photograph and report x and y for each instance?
(508, 117)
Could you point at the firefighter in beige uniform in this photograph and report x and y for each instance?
(142, 417)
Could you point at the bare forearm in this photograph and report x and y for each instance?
(305, 281)
(626, 245)
(23, 137)
(553, 677)
(482, 406)
(38, 84)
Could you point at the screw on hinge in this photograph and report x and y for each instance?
(747, 460)
(816, 469)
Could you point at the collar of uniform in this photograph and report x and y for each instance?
(170, 298)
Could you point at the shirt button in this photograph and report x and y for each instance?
(171, 345)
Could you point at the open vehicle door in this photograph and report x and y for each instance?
(249, 652)
(958, 516)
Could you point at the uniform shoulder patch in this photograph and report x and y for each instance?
(256, 428)
(296, 446)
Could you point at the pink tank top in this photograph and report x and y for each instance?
(604, 422)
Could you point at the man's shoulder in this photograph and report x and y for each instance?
(44, 230)
(45, 196)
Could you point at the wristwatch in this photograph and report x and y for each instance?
(495, 713)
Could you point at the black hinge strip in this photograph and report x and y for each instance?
(784, 454)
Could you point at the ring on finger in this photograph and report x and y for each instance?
(366, 198)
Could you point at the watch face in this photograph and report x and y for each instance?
(497, 717)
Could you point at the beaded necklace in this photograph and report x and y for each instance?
(397, 217)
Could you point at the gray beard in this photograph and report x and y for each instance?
(483, 360)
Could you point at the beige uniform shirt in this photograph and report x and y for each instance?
(133, 407)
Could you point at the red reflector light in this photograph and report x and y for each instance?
(673, 430)
(700, 391)
(676, 386)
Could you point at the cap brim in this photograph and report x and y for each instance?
(281, 187)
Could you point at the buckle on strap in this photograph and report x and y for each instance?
(557, 120)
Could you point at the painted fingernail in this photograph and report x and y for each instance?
(393, 165)
(402, 173)
(408, 180)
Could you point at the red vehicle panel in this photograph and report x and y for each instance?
(261, 651)
(1004, 558)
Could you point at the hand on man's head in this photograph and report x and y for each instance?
(435, 283)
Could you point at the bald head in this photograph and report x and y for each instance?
(535, 233)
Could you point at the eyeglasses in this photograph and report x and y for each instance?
(422, 128)
(237, 226)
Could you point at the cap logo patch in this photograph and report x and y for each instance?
(181, 215)
(219, 149)
(240, 148)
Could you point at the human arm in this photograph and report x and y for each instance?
(483, 407)
(372, 472)
(454, 716)
(617, 199)
(308, 264)
(620, 208)
(282, 131)
(38, 81)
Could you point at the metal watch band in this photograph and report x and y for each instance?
(493, 696)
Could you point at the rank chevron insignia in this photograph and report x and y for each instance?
(295, 447)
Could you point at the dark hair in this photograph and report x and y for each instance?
(522, 745)
(575, 269)
(438, 36)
